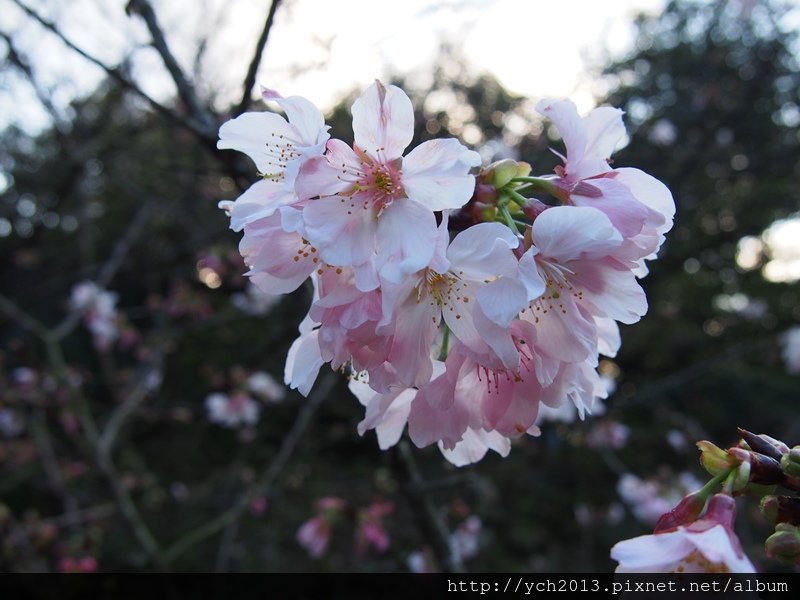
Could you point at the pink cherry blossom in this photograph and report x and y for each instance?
(387, 413)
(572, 271)
(278, 147)
(374, 208)
(469, 395)
(638, 205)
(472, 288)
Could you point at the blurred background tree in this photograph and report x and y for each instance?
(107, 454)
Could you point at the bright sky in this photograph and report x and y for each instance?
(323, 49)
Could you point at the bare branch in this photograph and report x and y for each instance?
(19, 60)
(185, 89)
(116, 75)
(44, 443)
(134, 398)
(122, 496)
(267, 480)
(24, 319)
(429, 520)
(250, 78)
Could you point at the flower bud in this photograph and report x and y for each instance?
(790, 462)
(714, 459)
(722, 510)
(764, 444)
(533, 208)
(501, 172)
(781, 509)
(784, 543)
(687, 510)
(763, 469)
(485, 193)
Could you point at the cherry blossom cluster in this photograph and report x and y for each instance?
(461, 338)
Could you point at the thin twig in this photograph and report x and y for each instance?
(123, 498)
(428, 518)
(44, 443)
(131, 402)
(185, 89)
(24, 319)
(252, 70)
(18, 59)
(266, 481)
(116, 75)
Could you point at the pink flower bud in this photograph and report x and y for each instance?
(687, 510)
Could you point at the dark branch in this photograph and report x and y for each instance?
(116, 74)
(185, 89)
(250, 78)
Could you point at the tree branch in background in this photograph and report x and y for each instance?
(185, 89)
(267, 479)
(19, 60)
(252, 70)
(428, 519)
(115, 73)
(101, 455)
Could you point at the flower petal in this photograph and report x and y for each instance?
(604, 130)
(303, 115)
(566, 233)
(436, 174)
(303, 363)
(330, 174)
(651, 553)
(406, 239)
(617, 202)
(564, 115)
(260, 200)
(253, 133)
(483, 250)
(383, 122)
(611, 289)
(344, 234)
(651, 192)
(474, 445)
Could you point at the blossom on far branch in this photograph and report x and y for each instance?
(232, 411)
(314, 535)
(99, 308)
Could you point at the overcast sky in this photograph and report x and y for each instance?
(321, 49)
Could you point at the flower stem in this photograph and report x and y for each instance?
(516, 197)
(507, 218)
(445, 342)
(709, 487)
(537, 183)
